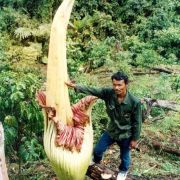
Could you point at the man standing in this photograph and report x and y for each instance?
(124, 111)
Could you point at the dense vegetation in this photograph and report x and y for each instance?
(103, 36)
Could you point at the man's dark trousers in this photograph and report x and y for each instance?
(105, 141)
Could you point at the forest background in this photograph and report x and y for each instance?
(140, 37)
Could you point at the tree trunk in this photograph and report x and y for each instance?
(97, 172)
(164, 104)
(3, 169)
(166, 70)
(100, 172)
(157, 70)
(140, 73)
(158, 145)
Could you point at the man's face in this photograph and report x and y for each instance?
(119, 86)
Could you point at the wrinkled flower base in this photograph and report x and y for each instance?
(69, 136)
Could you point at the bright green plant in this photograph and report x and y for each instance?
(31, 149)
(162, 89)
(167, 43)
(98, 54)
(4, 64)
(148, 58)
(120, 61)
(176, 83)
(131, 9)
(100, 119)
(20, 114)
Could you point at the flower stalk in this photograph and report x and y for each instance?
(68, 134)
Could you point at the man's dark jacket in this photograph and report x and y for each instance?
(125, 117)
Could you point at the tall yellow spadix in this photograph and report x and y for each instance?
(68, 144)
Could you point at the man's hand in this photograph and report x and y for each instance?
(71, 84)
(133, 144)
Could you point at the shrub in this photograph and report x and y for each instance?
(19, 111)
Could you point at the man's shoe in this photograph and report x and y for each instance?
(122, 175)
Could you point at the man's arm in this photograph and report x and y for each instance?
(100, 93)
(136, 125)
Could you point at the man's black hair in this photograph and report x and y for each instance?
(120, 76)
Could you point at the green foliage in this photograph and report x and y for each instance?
(88, 44)
(4, 64)
(157, 112)
(98, 53)
(6, 18)
(30, 149)
(33, 8)
(167, 42)
(168, 126)
(102, 35)
(132, 8)
(168, 167)
(162, 92)
(156, 87)
(13, 19)
(148, 58)
(42, 32)
(152, 29)
(26, 56)
(12, 3)
(142, 53)
(19, 112)
(155, 24)
(100, 119)
(84, 8)
(23, 31)
(97, 26)
(176, 83)
(32, 52)
(120, 61)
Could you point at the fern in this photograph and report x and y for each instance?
(23, 33)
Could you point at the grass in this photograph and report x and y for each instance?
(165, 128)
(150, 162)
(154, 86)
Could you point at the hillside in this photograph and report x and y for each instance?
(142, 38)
